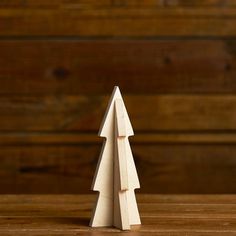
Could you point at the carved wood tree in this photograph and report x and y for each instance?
(116, 176)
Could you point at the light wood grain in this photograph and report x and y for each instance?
(161, 215)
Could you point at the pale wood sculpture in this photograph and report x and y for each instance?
(116, 176)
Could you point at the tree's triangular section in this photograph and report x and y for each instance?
(108, 121)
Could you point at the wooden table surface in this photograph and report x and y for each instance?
(160, 214)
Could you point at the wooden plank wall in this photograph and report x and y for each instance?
(175, 61)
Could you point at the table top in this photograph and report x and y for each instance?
(160, 215)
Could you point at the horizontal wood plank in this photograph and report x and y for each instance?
(85, 200)
(157, 113)
(115, 3)
(118, 22)
(54, 3)
(196, 3)
(70, 215)
(43, 138)
(149, 210)
(68, 224)
(169, 168)
(138, 67)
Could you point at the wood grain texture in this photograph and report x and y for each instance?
(172, 113)
(87, 21)
(161, 215)
(44, 138)
(162, 168)
(59, 62)
(138, 67)
(115, 3)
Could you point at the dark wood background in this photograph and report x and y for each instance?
(175, 62)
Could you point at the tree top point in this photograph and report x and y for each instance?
(106, 128)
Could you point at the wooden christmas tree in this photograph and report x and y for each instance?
(116, 176)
